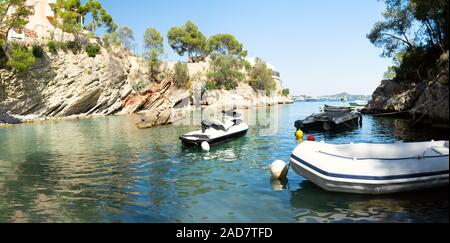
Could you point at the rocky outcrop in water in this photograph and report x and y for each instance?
(425, 102)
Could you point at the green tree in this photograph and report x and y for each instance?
(21, 58)
(285, 92)
(434, 15)
(188, 39)
(99, 16)
(225, 72)
(393, 34)
(154, 46)
(19, 16)
(181, 74)
(260, 77)
(68, 16)
(226, 44)
(415, 34)
(125, 36)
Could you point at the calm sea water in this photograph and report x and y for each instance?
(106, 170)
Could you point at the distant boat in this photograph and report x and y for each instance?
(299, 99)
(311, 99)
(344, 99)
(373, 168)
(334, 108)
(359, 103)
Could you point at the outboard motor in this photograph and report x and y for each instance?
(299, 125)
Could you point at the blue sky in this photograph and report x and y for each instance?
(319, 47)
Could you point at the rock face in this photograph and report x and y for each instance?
(75, 85)
(244, 97)
(66, 85)
(427, 101)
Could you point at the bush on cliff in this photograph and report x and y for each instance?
(260, 77)
(92, 50)
(139, 85)
(3, 57)
(181, 75)
(38, 51)
(74, 46)
(225, 71)
(21, 58)
(52, 47)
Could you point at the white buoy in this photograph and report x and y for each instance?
(205, 146)
(279, 169)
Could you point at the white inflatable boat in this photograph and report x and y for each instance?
(217, 131)
(373, 168)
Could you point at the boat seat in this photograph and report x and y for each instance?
(213, 124)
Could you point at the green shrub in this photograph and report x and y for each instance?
(92, 50)
(140, 85)
(3, 57)
(21, 58)
(52, 47)
(225, 71)
(210, 85)
(74, 46)
(38, 51)
(62, 46)
(286, 92)
(260, 77)
(181, 75)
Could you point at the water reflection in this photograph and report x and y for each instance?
(312, 204)
(106, 170)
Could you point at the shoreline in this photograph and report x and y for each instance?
(40, 120)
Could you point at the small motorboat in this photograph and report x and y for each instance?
(373, 168)
(215, 131)
(328, 121)
(334, 108)
(359, 103)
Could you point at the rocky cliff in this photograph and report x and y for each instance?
(425, 102)
(68, 85)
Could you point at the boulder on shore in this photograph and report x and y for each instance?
(7, 119)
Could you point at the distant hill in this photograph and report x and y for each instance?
(349, 96)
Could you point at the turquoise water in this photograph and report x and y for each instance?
(106, 170)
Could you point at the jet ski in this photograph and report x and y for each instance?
(215, 131)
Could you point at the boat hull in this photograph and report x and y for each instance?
(329, 124)
(370, 189)
(196, 143)
(370, 175)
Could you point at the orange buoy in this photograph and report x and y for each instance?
(311, 138)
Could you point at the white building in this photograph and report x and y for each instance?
(40, 23)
